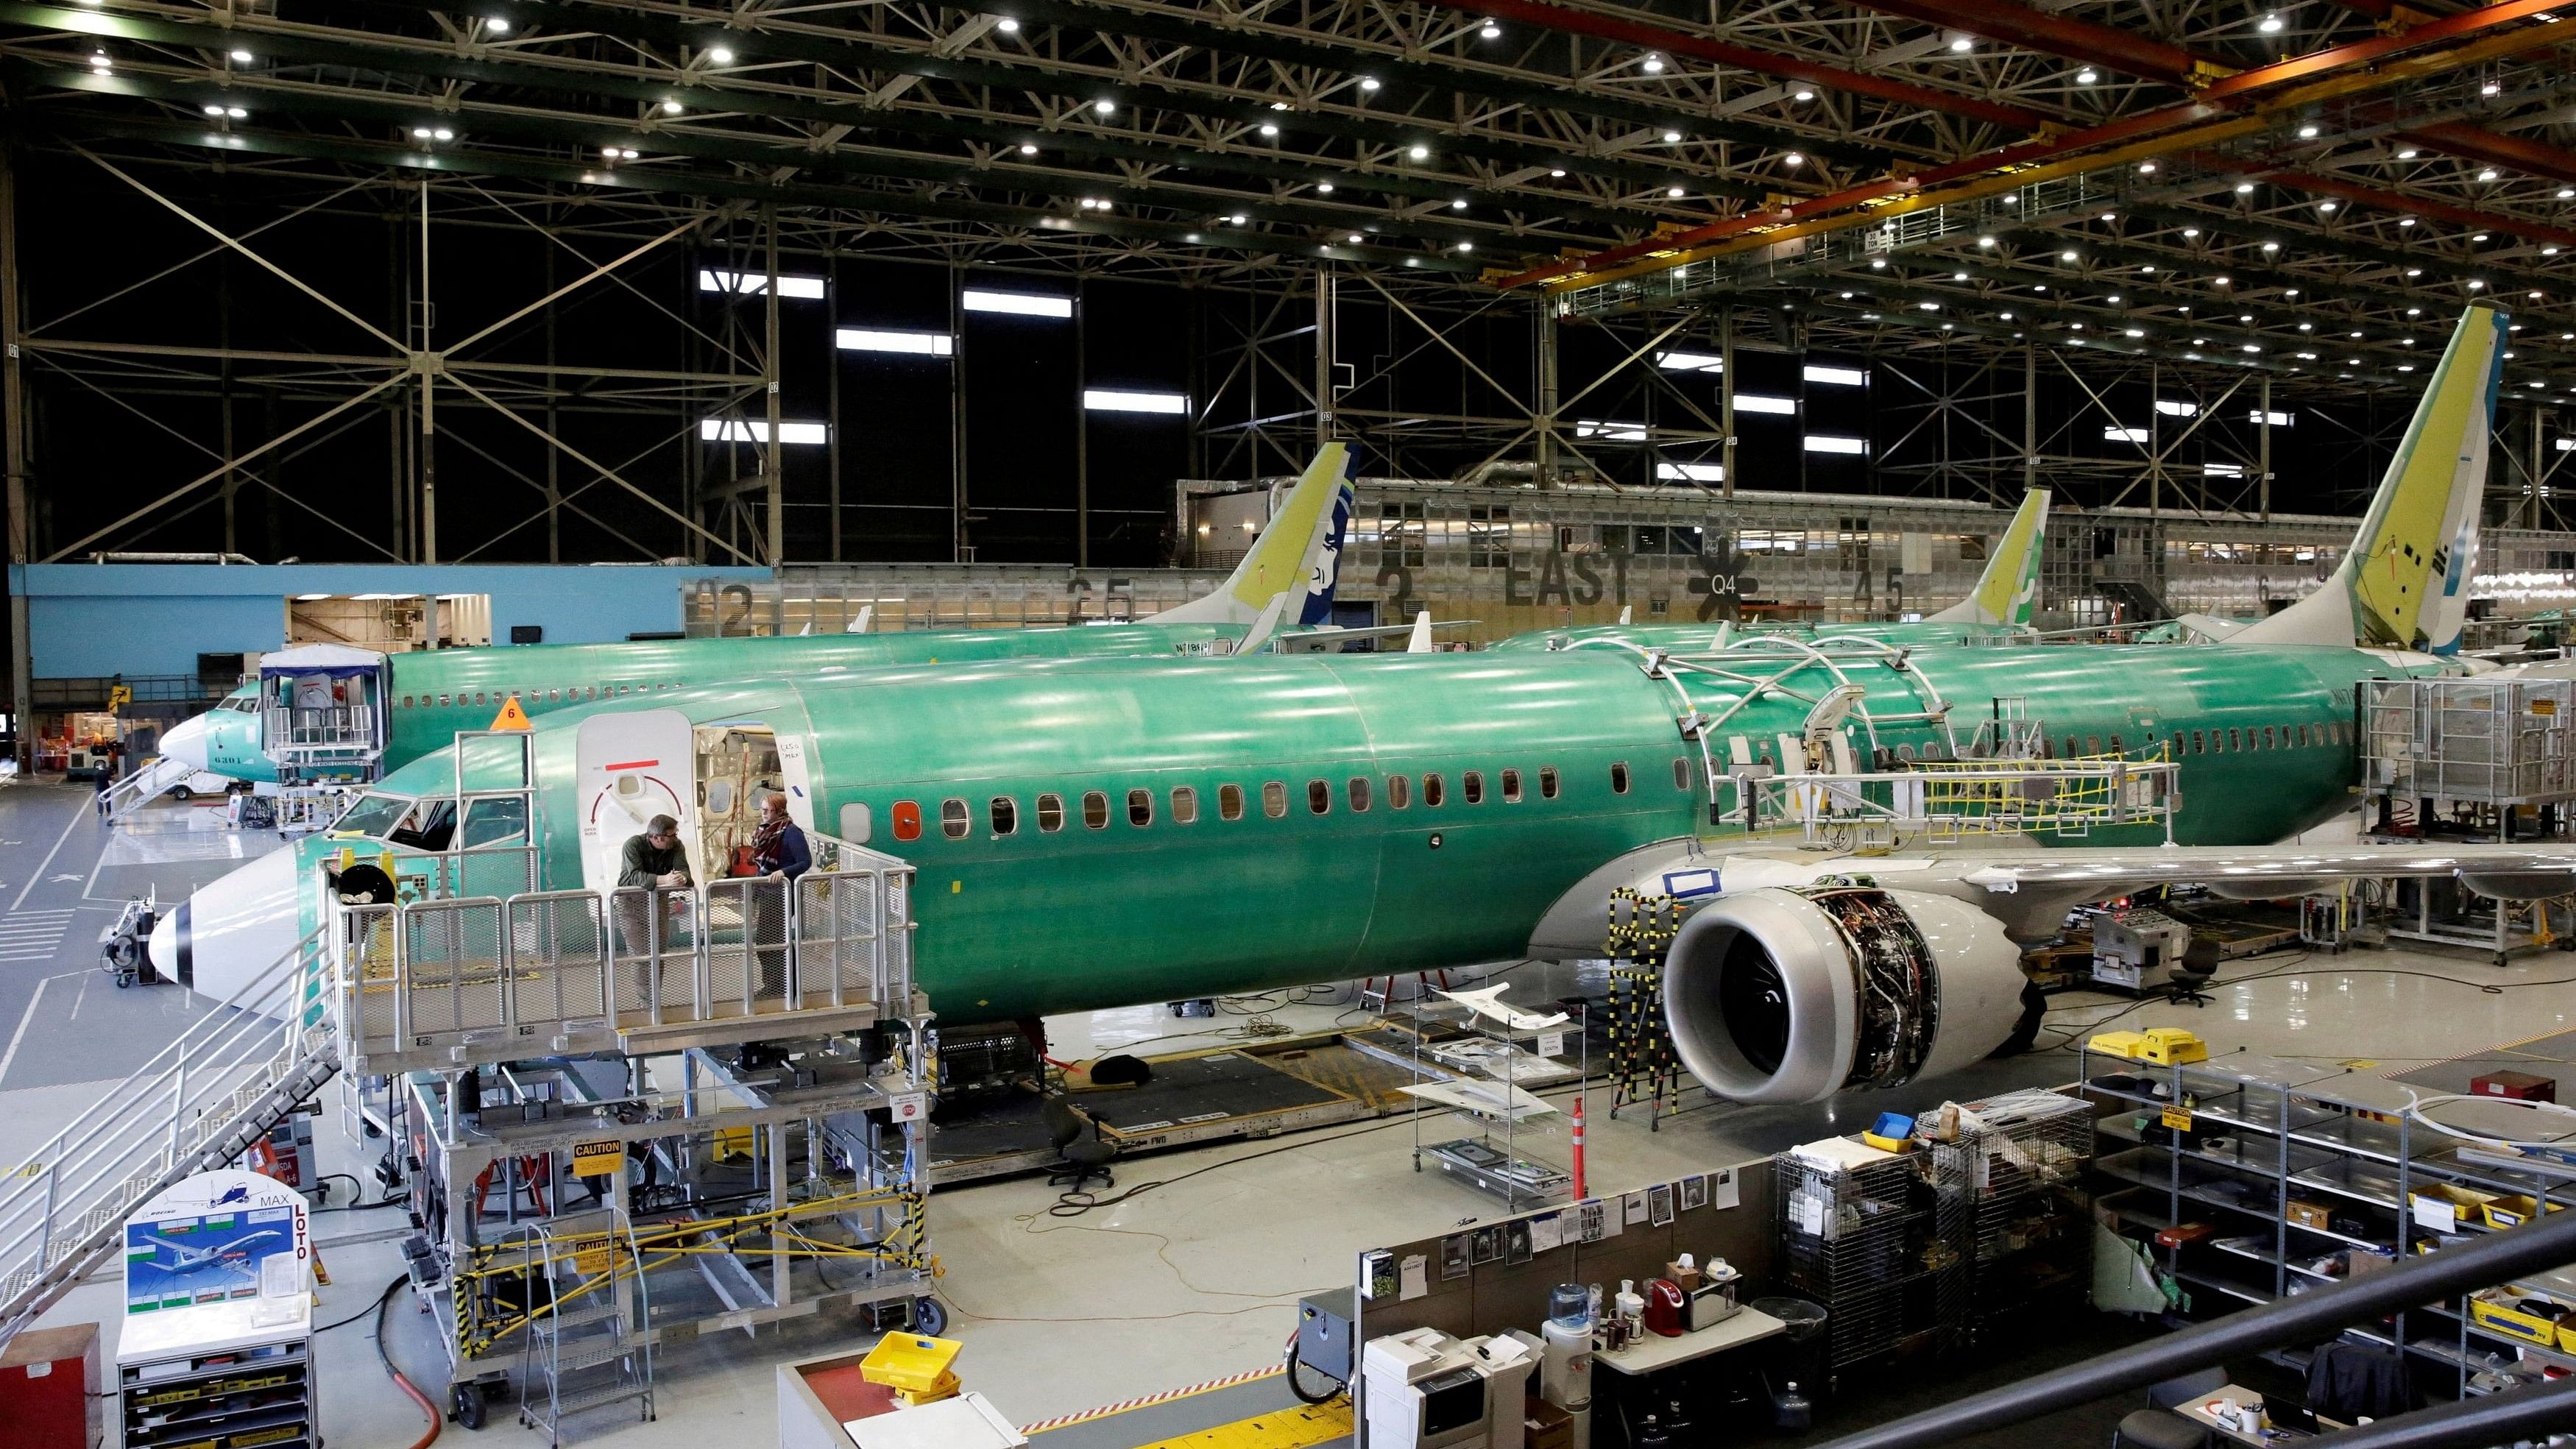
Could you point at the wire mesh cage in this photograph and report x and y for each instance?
(1864, 1241)
(2013, 1205)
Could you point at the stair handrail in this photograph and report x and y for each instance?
(221, 1043)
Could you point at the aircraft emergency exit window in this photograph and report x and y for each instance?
(1095, 810)
(1274, 799)
(1140, 807)
(1006, 815)
(907, 820)
(1433, 791)
(1229, 802)
(1399, 791)
(1185, 805)
(1471, 784)
(1050, 813)
(1359, 792)
(952, 818)
(1511, 787)
(1319, 797)
(1619, 778)
(1547, 782)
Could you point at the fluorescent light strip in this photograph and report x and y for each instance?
(870, 339)
(752, 284)
(2173, 409)
(1754, 402)
(2278, 420)
(1691, 472)
(1828, 443)
(756, 430)
(1689, 362)
(1018, 304)
(2124, 435)
(1106, 400)
(1837, 376)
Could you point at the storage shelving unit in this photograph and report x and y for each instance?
(257, 1393)
(2261, 1133)
(1491, 1061)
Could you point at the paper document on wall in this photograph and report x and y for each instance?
(1415, 1277)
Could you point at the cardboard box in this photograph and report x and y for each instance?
(1545, 1426)
(2520, 1086)
(2307, 1214)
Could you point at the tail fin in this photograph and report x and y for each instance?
(1420, 640)
(2009, 587)
(2395, 588)
(1299, 551)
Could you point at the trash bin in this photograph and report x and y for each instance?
(1793, 1372)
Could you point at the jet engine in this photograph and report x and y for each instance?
(1793, 995)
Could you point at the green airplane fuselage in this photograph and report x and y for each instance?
(437, 693)
(1331, 869)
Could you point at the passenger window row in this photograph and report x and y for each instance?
(2239, 739)
(1359, 793)
(578, 694)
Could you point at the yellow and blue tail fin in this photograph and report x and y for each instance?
(1297, 553)
(2404, 584)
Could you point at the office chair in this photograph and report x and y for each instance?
(1080, 1154)
(2157, 1426)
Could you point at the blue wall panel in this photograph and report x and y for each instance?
(96, 619)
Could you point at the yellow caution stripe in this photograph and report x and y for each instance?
(1298, 1428)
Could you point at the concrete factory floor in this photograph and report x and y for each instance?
(1190, 1281)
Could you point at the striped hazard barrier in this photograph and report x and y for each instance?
(1165, 1397)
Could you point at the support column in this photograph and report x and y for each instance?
(774, 477)
(2532, 479)
(1081, 429)
(554, 429)
(1548, 393)
(2263, 446)
(1326, 302)
(2029, 419)
(957, 544)
(1726, 399)
(426, 362)
(832, 393)
(13, 417)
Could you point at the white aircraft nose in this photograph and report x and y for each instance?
(231, 930)
(186, 741)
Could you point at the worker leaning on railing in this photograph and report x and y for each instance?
(651, 861)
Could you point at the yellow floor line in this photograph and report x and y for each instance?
(1298, 1428)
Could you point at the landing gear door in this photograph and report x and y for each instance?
(632, 767)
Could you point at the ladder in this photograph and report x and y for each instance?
(587, 1343)
(142, 787)
(235, 1073)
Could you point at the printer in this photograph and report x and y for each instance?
(1428, 1390)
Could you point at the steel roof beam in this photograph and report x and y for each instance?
(2064, 36)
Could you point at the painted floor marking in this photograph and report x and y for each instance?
(1165, 1397)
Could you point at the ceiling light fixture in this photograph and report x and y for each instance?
(243, 57)
(2245, 188)
(1961, 45)
(2269, 25)
(1802, 94)
(1652, 65)
(671, 108)
(1323, 188)
(1493, 30)
(2086, 77)
(2307, 133)
(1674, 192)
(1028, 149)
(1419, 153)
(1368, 82)
(1007, 26)
(1269, 130)
(1104, 107)
(720, 56)
(1672, 138)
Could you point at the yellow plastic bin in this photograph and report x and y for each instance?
(2529, 1318)
(2511, 1212)
(914, 1366)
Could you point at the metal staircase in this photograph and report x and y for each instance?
(233, 1074)
(142, 787)
(587, 1343)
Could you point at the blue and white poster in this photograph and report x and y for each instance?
(220, 1237)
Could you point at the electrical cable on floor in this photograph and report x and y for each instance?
(437, 1420)
(363, 1312)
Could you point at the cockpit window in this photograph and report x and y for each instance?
(430, 826)
(495, 822)
(242, 703)
(371, 815)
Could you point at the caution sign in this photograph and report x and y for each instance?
(2177, 1118)
(511, 717)
(598, 1159)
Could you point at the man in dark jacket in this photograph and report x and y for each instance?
(651, 861)
(778, 848)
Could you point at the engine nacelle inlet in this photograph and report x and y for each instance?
(1780, 995)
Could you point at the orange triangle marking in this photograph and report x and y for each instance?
(511, 717)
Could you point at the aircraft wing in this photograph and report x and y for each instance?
(1487, 1001)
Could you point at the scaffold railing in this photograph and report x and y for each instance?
(1937, 801)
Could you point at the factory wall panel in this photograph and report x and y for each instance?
(145, 619)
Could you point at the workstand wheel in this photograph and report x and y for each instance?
(929, 1317)
(1306, 1392)
(466, 1405)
